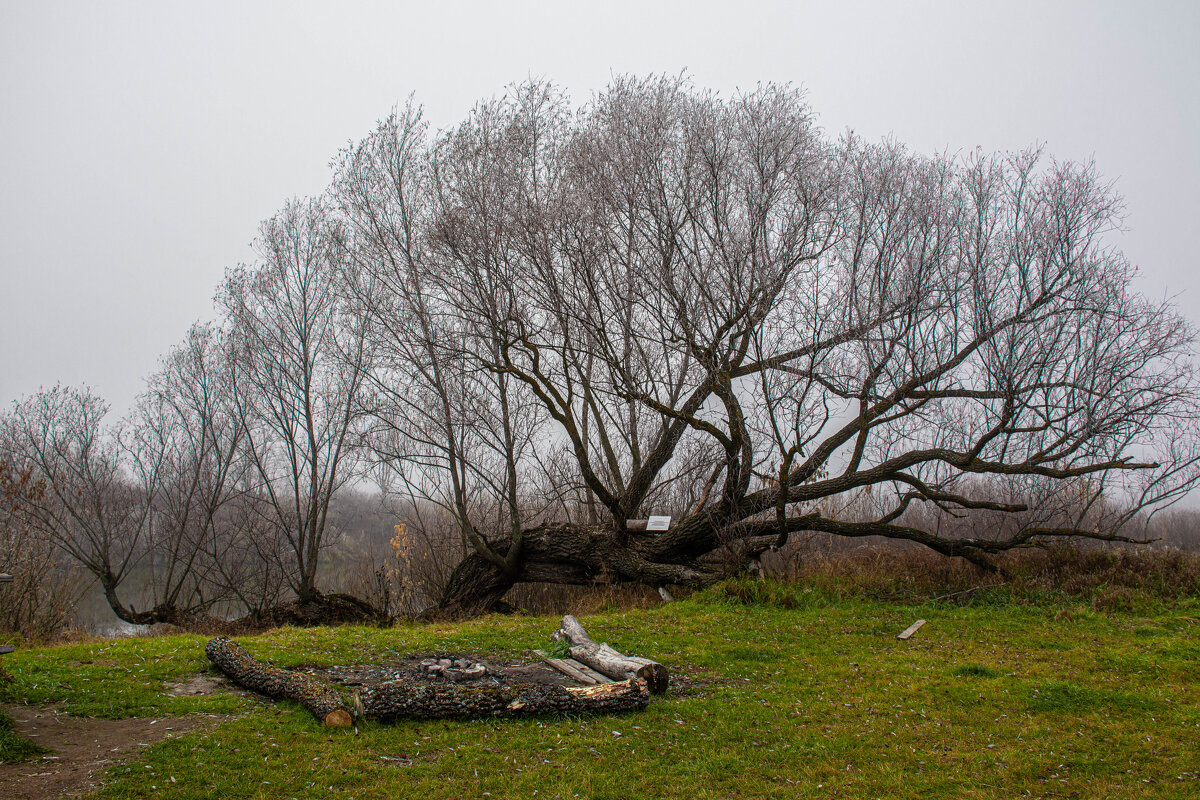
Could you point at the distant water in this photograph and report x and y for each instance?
(94, 616)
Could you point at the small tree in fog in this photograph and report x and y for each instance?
(93, 506)
(297, 363)
(187, 433)
(39, 600)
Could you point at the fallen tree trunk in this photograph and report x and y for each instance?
(576, 555)
(405, 700)
(317, 696)
(608, 661)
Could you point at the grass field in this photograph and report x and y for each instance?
(783, 693)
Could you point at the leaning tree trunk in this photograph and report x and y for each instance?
(689, 554)
(163, 612)
(317, 696)
(406, 700)
(579, 555)
(476, 587)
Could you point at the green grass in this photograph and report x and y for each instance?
(15, 748)
(976, 671)
(558, 648)
(779, 693)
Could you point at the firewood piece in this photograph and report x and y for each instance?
(315, 695)
(608, 661)
(570, 670)
(588, 671)
(910, 630)
(407, 700)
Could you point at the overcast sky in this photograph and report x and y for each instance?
(142, 143)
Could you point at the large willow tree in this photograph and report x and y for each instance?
(671, 302)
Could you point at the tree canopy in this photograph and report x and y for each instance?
(671, 301)
(549, 322)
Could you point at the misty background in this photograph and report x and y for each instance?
(142, 143)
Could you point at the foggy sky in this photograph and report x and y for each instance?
(142, 143)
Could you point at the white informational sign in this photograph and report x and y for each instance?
(658, 523)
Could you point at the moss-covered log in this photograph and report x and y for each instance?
(315, 695)
(406, 700)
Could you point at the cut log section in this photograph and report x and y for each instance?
(608, 661)
(406, 700)
(317, 696)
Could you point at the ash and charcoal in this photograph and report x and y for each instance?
(441, 669)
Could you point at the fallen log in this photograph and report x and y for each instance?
(406, 700)
(317, 696)
(608, 661)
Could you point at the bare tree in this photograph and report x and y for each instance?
(42, 593)
(674, 302)
(298, 365)
(186, 432)
(92, 506)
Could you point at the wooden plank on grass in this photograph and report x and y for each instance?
(910, 630)
(586, 670)
(567, 669)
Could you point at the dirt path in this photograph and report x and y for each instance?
(82, 748)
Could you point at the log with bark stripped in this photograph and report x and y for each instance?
(608, 661)
(407, 700)
(317, 696)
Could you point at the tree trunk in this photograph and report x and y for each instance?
(160, 613)
(405, 700)
(320, 609)
(695, 553)
(475, 587)
(608, 661)
(317, 696)
(573, 554)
